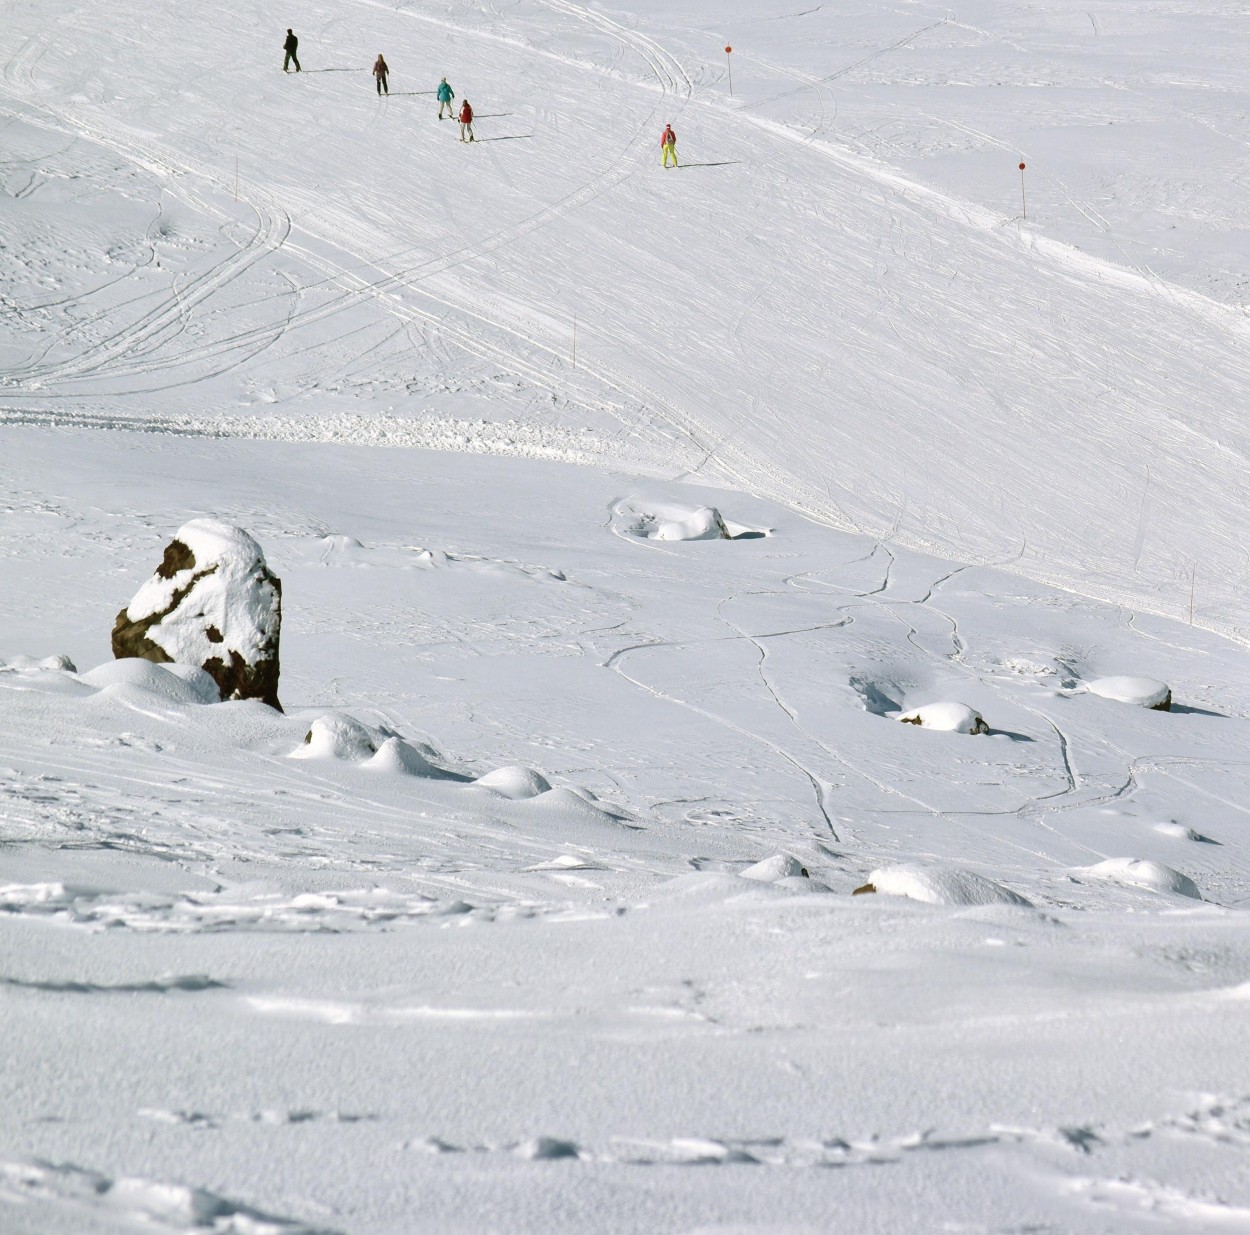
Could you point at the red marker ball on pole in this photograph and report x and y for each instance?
(1022, 167)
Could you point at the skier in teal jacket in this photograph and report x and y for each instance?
(445, 96)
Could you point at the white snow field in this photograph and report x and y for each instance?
(620, 513)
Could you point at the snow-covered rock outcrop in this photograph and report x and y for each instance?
(213, 604)
(950, 717)
(1142, 873)
(1142, 692)
(939, 885)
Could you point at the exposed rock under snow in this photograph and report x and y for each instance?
(1142, 692)
(949, 717)
(214, 604)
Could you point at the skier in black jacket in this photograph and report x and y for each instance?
(289, 47)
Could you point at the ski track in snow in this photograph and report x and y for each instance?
(272, 230)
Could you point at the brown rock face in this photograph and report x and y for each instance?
(214, 603)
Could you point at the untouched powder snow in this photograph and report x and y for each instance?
(620, 513)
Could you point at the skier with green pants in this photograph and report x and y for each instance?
(445, 96)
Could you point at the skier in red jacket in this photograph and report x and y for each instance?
(466, 121)
(668, 142)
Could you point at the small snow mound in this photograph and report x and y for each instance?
(397, 757)
(337, 736)
(52, 675)
(572, 799)
(341, 542)
(1142, 873)
(1142, 692)
(546, 1148)
(770, 870)
(515, 782)
(941, 885)
(339, 550)
(948, 717)
(173, 683)
(567, 806)
(53, 664)
(1178, 831)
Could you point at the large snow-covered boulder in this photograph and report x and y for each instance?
(214, 604)
(949, 717)
(1142, 692)
(705, 523)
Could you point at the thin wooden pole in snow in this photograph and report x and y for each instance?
(730, 65)
(1024, 208)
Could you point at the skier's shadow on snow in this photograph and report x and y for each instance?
(516, 137)
(726, 163)
(491, 115)
(408, 94)
(351, 70)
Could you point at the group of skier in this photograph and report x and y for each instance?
(381, 75)
(381, 72)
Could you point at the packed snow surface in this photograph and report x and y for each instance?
(620, 512)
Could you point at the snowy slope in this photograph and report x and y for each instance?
(481, 949)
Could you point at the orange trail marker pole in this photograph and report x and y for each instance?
(730, 65)
(1024, 209)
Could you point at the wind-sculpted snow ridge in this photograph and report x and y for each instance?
(65, 1191)
(512, 438)
(226, 911)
